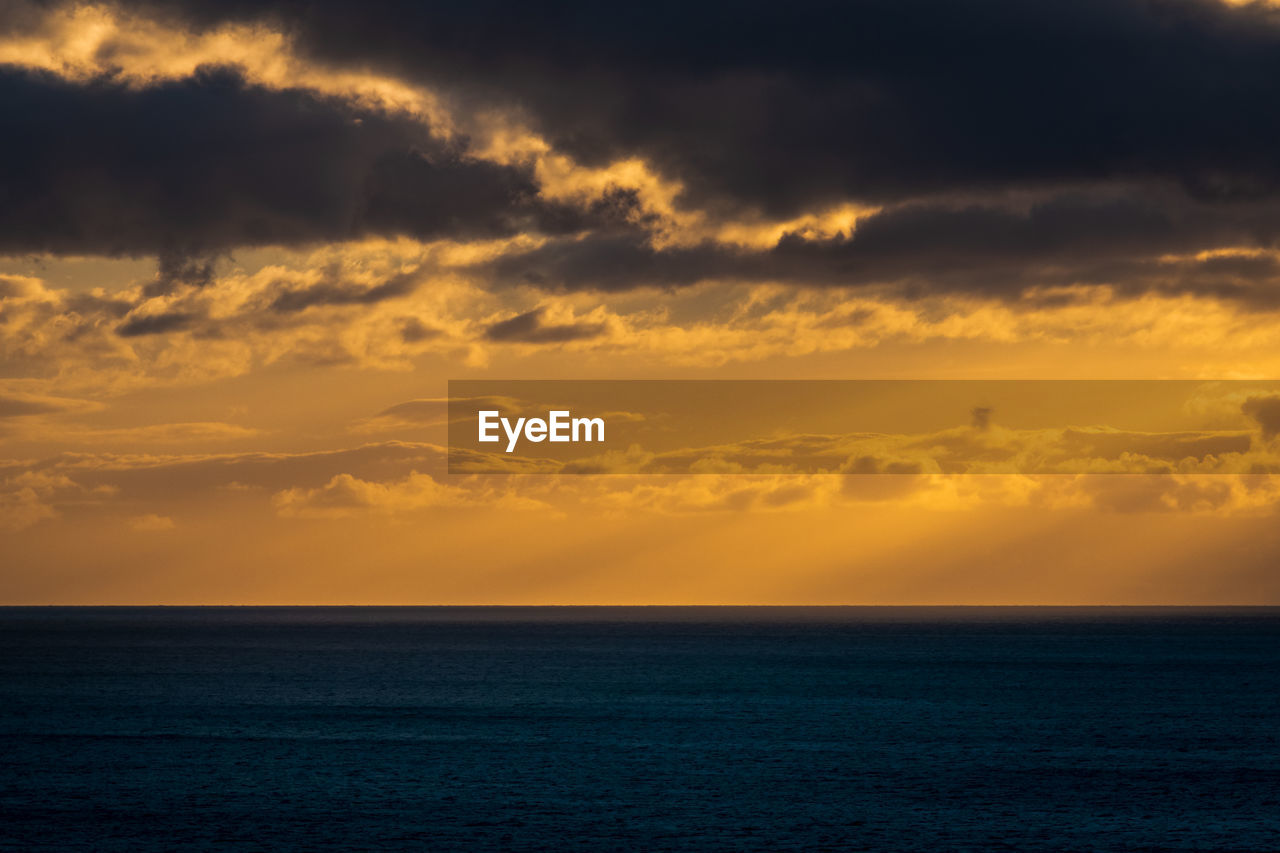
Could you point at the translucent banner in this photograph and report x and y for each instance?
(863, 427)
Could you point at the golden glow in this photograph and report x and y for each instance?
(254, 454)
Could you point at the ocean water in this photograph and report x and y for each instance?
(644, 729)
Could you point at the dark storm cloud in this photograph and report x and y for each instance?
(1138, 129)
(786, 105)
(529, 328)
(1119, 238)
(189, 168)
(1134, 242)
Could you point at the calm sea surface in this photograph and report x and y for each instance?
(642, 729)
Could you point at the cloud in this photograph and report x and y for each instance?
(629, 461)
(150, 434)
(1128, 239)
(30, 494)
(1266, 411)
(329, 291)
(344, 303)
(212, 162)
(718, 493)
(530, 328)
(21, 508)
(151, 523)
(434, 411)
(1159, 494)
(389, 479)
(155, 324)
(701, 161)
(414, 331)
(68, 341)
(346, 495)
(1163, 493)
(162, 479)
(808, 103)
(418, 412)
(16, 405)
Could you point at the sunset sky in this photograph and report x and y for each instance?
(244, 247)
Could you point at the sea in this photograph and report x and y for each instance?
(639, 729)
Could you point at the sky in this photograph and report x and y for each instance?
(244, 247)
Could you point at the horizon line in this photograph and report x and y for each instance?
(730, 605)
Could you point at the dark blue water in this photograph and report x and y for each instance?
(639, 729)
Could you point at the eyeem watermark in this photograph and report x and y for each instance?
(559, 426)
